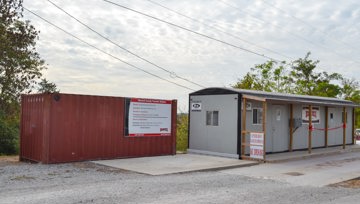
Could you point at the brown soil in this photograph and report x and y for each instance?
(353, 183)
(9, 158)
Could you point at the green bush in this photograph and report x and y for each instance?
(182, 132)
(9, 136)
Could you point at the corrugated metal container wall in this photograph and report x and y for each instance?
(65, 127)
(32, 126)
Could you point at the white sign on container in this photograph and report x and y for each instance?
(149, 117)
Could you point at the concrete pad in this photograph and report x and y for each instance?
(179, 163)
(318, 171)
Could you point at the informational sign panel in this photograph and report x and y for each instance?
(149, 117)
(257, 145)
(315, 114)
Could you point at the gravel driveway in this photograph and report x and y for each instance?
(85, 182)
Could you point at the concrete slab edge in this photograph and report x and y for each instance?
(209, 153)
(186, 171)
(314, 155)
(206, 169)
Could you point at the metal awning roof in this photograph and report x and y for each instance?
(281, 97)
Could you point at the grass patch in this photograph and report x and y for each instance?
(22, 177)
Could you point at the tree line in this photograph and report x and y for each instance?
(302, 77)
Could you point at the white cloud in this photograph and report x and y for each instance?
(333, 38)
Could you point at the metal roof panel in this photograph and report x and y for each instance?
(277, 96)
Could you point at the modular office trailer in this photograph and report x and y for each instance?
(226, 122)
(65, 127)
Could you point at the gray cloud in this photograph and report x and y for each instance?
(78, 68)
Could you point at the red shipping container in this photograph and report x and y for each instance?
(57, 128)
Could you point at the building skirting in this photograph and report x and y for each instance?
(195, 151)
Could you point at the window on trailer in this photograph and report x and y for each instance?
(257, 116)
(212, 118)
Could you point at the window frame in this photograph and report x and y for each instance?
(259, 120)
(210, 118)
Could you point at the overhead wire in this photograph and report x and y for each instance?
(291, 33)
(106, 53)
(217, 29)
(307, 24)
(171, 73)
(191, 31)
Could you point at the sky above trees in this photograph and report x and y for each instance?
(277, 29)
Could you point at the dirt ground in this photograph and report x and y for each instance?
(14, 160)
(353, 183)
(9, 158)
(86, 182)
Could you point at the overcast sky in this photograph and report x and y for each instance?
(277, 29)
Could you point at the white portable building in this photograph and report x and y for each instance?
(247, 124)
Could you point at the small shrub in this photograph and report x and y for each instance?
(9, 136)
(182, 132)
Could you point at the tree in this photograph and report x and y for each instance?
(47, 87)
(20, 64)
(308, 82)
(297, 77)
(248, 82)
(20, 70)
(300, 77)
(265, 77)
(9, 131)
(350, 91)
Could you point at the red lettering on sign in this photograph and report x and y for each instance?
(313, 114)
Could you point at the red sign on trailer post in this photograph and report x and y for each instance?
(315, 115)
(257, 145)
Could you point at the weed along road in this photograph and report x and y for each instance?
(86, 182)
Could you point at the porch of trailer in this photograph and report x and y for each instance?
(253, 143)
(304, 154)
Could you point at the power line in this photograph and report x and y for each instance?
(191, 31)
(263, 21)
(217, 29)
(172, 74)
(295, 35)
(104, 52)
(306, 23)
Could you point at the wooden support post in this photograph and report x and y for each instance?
(243, 131)
(344, 127)
(264, 127)
(310, 129)
(326, 125)
(353, 127)
(291, 129)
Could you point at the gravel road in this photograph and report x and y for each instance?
(85, 182)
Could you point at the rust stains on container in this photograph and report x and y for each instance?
(57, 128)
